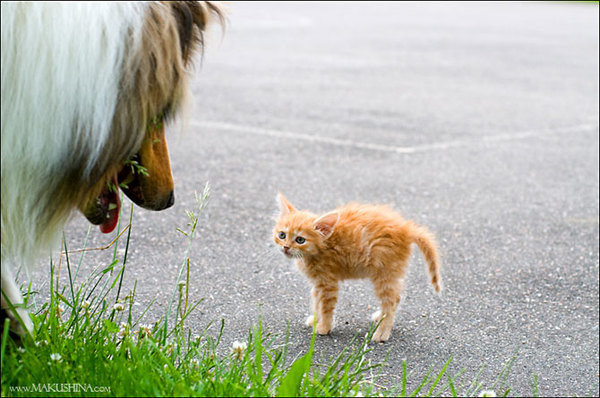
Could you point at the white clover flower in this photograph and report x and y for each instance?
(56, 357)
(145, 331)
(118, 307)
(487, 393)
(238, 349)
(122, 333)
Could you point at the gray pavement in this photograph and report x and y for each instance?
(477, 120)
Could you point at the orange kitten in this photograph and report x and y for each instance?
(354, 241)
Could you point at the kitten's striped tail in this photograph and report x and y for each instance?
(427, 243)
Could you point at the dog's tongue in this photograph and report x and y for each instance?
(110, 200)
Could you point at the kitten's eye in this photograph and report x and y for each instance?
(281, 235)
(300, 240)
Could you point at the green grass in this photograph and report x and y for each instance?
(89, 342)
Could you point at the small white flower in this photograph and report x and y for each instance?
(118, 307)
(122, 333)
(238, 349)
(56, 357)
(21, 350)
(195, 362)
(145, 331)
(181, 283)
(487, 393)
(85, 305)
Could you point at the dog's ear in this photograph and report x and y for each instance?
(192, 18)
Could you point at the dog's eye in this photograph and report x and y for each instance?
(281, 235)
(300, 240)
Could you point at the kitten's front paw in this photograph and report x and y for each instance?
(382, 334)
(323, 329)
(310, 321)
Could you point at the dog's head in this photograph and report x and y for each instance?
(153, 86)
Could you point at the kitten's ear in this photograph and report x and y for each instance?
(325, 224)
(286, 207)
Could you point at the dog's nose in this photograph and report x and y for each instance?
(171, 200)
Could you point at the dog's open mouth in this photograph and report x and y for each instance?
(110, 203)
(145, 178)
(104, 212)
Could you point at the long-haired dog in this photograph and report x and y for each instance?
(86, 88)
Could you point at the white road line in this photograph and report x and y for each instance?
(390, 148)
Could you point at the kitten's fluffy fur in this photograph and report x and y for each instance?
(354, 241)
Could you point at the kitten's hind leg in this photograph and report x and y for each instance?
(388, 291)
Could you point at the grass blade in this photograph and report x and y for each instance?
(292, 382)
(439, 377)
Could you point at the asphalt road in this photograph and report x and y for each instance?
(477, 120)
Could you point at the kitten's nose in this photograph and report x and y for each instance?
(286, 250)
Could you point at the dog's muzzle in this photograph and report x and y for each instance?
(146, 179)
